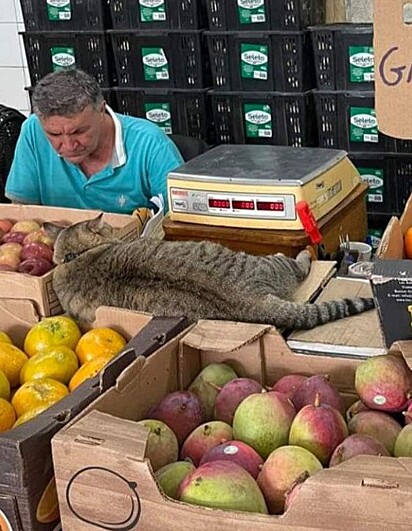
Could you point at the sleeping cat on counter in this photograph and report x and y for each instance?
(199, 280)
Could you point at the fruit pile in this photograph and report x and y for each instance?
(55, 360)
(25, 247)
(228, 443)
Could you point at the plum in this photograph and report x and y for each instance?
(35, 266)
(36, 250)
(14, 237)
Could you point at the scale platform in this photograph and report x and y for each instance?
(259, 186)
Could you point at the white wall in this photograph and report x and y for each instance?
(14, 75)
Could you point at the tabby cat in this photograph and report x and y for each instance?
(200, 280)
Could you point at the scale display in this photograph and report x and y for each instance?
(218, 203)
(238, 204)
(273, 206)
(211, 203)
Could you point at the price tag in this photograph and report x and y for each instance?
(393, 67)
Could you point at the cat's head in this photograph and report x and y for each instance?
(72, 241)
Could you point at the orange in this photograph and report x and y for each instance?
(58, 363)
(7, 415)
(88, 370)
(48, 508)
(38, 393)
(31, 413)
(5, 338)
(52, 332)
(98, 342)
(4, 387)
(4, 523)
(12, 360)
(408, 243)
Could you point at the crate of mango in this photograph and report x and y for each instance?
(50, 370)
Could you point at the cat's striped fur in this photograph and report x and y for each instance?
(200, 280)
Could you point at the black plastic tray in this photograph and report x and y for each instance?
(343, 56)
(179, 59)
(172, 14)
(275, 118)
(88, 50)
(343, 118)
(77, 15)
(182, 112)
(270, 15)
(265, 61)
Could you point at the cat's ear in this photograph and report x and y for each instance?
(97, 224)
(52, 229)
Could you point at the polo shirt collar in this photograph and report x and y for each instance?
(119, 153)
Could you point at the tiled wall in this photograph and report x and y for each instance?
(14, 75)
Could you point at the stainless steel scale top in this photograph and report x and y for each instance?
(260, 165)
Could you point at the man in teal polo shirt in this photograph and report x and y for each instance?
(75, 152)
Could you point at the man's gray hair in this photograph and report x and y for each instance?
(65, 93)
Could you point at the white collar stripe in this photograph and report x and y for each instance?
(119, 153)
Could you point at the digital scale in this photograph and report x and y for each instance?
(251, 186)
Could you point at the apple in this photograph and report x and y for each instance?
(38, 236)
(5, 225)
(11, 248)
(35, 266)
(25, 225)
(15, 237)
(10, 260)
(36, 249)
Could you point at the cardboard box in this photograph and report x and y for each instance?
(391, 282)
(40, 289)
(392, 287)
(391, 246)
(102, 474)
(393, 100)
(392, 43)
(26, 467)
(360, 335)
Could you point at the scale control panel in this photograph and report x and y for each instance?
(233, 204)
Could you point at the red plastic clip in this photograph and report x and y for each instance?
(309, 222)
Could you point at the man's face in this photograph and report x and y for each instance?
(77, 136)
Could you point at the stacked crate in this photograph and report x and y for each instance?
(161, 63)
(262, 69)
(66, 34)
(345, 108)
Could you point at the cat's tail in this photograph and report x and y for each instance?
(286, 314)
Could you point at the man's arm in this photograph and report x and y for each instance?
(22, 184)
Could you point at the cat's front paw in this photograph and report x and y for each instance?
(312, 253)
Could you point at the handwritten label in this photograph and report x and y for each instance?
(391, 72)
(392, 41)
